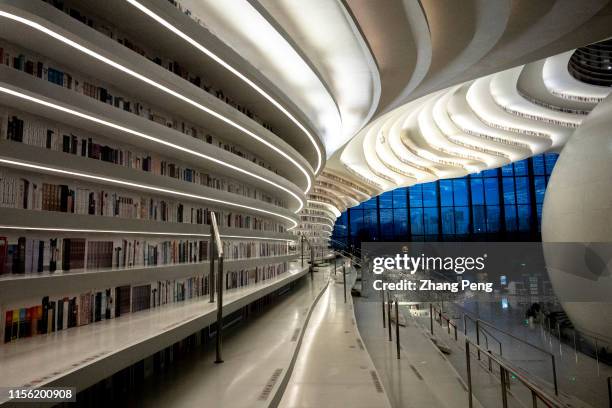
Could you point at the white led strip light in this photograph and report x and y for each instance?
(148, 137)
(99, 231)
(163, 88)
(233, 71)
(144, 187)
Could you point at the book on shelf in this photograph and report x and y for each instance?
(103, 94)
(31, 192)
(27, 255)
(63, 312)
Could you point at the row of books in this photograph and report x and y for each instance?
(65, 312)
(245, 277)
(171, 65)
(22, 254)
(32, 255)
(23, 60)
(32, 193)
(27, 129)
(253, 249)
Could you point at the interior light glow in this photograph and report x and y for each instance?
(144, 187)
(234, 71)
(163, 88)
(151, 138)
(102, 231)
(331, 207)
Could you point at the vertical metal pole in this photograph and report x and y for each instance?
(575, 349)
(344, 281)
(389, 315)
(455, 326)
(464, 325)
(397, 331)
(597, 356)
(610, 391)
(219, 358)
(382, 292)
(554, 369)
(312, 257)
(431, 318)
(502, 372)
(559, 334)
(534, 399)
(211, 273)
(478, 337)
(335, 265)
(469, 372)
(302, 249)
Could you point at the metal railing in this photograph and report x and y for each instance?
(312, 255)
(216, 252)
(506, 370)
(386, 315)
(486, 334)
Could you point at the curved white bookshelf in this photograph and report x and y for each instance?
(144, 28)
(82, 356)
(150, 183)
(185, 100)
(171, 259)
(168, 142)
(33, 286)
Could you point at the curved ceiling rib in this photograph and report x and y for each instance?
(430, 89)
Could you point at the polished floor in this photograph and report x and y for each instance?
(301, 352)
(333, 369)
(423, 376)
(252, 354)
(47, 359)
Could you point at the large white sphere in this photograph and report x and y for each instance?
(578, 208)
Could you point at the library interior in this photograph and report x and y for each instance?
(198, 200)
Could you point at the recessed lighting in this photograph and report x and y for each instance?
(233, 71)
(143, 187)
(148, 137)
(161, 87)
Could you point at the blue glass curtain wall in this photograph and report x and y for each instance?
(498, 204)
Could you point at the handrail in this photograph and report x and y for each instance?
(480, 322)
(214, 233)
(216, 236)
(483, 331)
(505, 369)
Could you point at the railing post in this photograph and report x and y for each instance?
(502, 374)
(302, 249)
(382, 292)
(554, 369)
(397, 331)
(610, 391)
(455, 327)
(211, 272)
(534, 399)
(464, 325)
(312, 259)
(344, 281)
(389, 315)
(469, 372)
(431, 318)
(219, 359)
(478, 337)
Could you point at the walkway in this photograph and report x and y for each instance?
(333, 368)
(81, 356)
(257, 356)
(423, 377)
